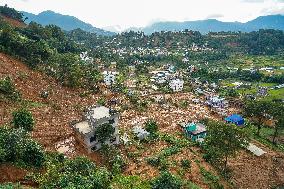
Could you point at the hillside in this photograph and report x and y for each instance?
(13, 22)
(53, 116)
(213, 25)
(49, 78)
(66, 22)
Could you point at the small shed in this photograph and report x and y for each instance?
(235, 119)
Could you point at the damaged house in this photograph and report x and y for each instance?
(99, 126)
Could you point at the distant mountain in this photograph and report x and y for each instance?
(64, 21)
(205, 26)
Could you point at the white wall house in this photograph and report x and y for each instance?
(109, 77)
(84, 57)
(176, 85)
(94, 118)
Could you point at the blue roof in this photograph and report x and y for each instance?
(235, 118)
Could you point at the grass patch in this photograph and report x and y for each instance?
(265, 134)
(32, 104)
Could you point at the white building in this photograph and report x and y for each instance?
(95, 117)
(109, 77)
(176, 85)
(84, 57)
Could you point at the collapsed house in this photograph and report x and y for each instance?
(140, 133)
(95, 117)
(216, 102)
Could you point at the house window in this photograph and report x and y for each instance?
(111, 121)
(93, 138)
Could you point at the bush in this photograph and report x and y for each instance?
(129, 182)
(183, 104)
(171, 151)
(23, 119)
(211, 179)
(154, 161)
(8, 89)
(101, 101)
(10, 186)
(166, 181)
(185, 163)
(78, 173)
(32, 154)
(114, 159)
(2, 154)
(151, 126)
(16, 146)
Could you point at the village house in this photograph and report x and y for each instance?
(185, 60)
(113, 66)
(235, 119)
(109, 77)
(176, 85)
(95, 117)
(195, 131)
(159, 77)
(262, 91)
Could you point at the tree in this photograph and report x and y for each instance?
(277, 112)
(257, 111)
(104, 132)
(166, 181)
(11, 13)
(224, 141)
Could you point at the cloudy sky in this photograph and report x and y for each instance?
(138, 13)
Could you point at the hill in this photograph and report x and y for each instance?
(66, 22)
(11, 16)
(213, 25)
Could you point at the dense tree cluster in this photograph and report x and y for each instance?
(11, 13)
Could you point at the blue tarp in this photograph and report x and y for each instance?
(236, 119)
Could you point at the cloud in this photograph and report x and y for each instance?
(253, 1)
(214, 16)
(273, 10)
(261, 1)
